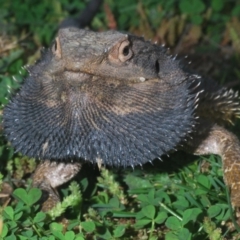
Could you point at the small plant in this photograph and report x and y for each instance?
(22, 221)
(74, 200)
(163, 206)
(25, 221)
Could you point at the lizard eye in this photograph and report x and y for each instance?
(125, 51)
(56, 48)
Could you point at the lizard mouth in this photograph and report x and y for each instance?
(77, 76)
(83, 76)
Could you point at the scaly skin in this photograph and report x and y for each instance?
(120, 100)
(49, 175)
(213, 139)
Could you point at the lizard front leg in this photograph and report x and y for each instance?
(214, 139)
(51, 174)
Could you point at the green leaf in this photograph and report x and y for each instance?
(181, 203)
(28, 233)
(153, 238)
(225, 213)
(40, 216)
(171, 236)
(161, 217)
(184, 234)
(12, 224)
(51, 238)
(56, 227)
(84, 184)
(191, 6)
(69, 235)
(185, 7)
(213, 211)
(114, 202)
(11, 237)
(79, 238)
(22, 237)
(137, 182)
(4, 230)
(28, 198)
(73, 224)
(8, 213)
(236, 11)
(173, 223)
(204, 181)
(18, 216)
(27, 222)
(88, 226)
(164, 197)
(149, 211)
(190, 215)
(124, 214)
(119, 231)
(58, 235)
(20, 207)
(107, 235)
(217, 5)
(151, 195)
(142, 222)
(143, 198)
(196, 19)
(13, 56)
(204, 185)
(198, 6)
(34, 195)
(140, 215)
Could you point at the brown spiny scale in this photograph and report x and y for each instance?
(221, 106)
(116, 99)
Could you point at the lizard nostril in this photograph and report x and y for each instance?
(157, 66)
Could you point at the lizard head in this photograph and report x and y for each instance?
(112, 55)
(108, 97)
